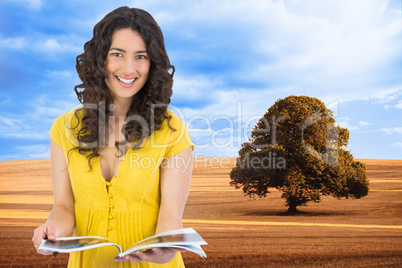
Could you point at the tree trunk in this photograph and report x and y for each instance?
(292, 208)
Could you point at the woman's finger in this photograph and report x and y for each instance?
(39, 234)
(129, 257)
(157, 251)
(143, 255)
(156, 255)
(41, 251)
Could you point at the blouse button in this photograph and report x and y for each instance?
(109, 228)
(110, 196)
(108, 183)
(110, 217)
(111, 206)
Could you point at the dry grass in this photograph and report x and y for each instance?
(240, 232)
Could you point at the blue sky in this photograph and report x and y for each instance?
(233, 60)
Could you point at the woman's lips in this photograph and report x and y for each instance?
(126, 82)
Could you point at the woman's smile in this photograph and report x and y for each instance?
(128, 82)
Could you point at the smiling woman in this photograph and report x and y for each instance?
(99, 188)
(126, 44)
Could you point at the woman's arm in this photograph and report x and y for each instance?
(61, 220)
(175, 185)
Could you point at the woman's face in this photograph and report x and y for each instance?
(127, 64)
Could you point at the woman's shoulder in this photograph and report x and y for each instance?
(63, 126)
(173, 120)
(177, 136)
(68, 120)
(71, 115)
(171, 126)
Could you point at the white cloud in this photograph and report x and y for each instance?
(44, 107)
(383, 7)
(13, 43)
(5, 101)
(397, 130)
(37, 151)
(363, 123)
(344, 122)
(9, 122)
(399, 105)
(40, 43)
(387, 95)
(20, 129)
(34, 4)
(67, 74)
(397, 144)
(27, 134)
(51, 44)
(34, 124)
(194, 88)
(61, 44)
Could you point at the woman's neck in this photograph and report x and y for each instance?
(121, 107)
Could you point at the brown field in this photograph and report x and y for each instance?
(240, 232)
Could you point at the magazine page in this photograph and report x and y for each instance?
(175, 235)
(180, 238)
(193, 248)
(78, 243)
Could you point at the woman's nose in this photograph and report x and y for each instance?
(130, 65)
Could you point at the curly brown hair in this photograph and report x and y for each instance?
(150, 103)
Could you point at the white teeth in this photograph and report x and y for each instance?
(126, 81)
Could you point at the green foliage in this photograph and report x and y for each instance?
(297, 148)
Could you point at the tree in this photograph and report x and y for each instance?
(297, 148)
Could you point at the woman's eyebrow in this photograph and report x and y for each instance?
(122, 50)
(118, 49)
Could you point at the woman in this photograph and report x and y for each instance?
(121, 164)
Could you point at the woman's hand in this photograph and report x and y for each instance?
(155, 255)
(47, 231)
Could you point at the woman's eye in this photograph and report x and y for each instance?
(141, 57)
(117, 54)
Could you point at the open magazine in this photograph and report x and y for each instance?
(181, 238)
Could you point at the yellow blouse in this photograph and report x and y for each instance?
(124, 210)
